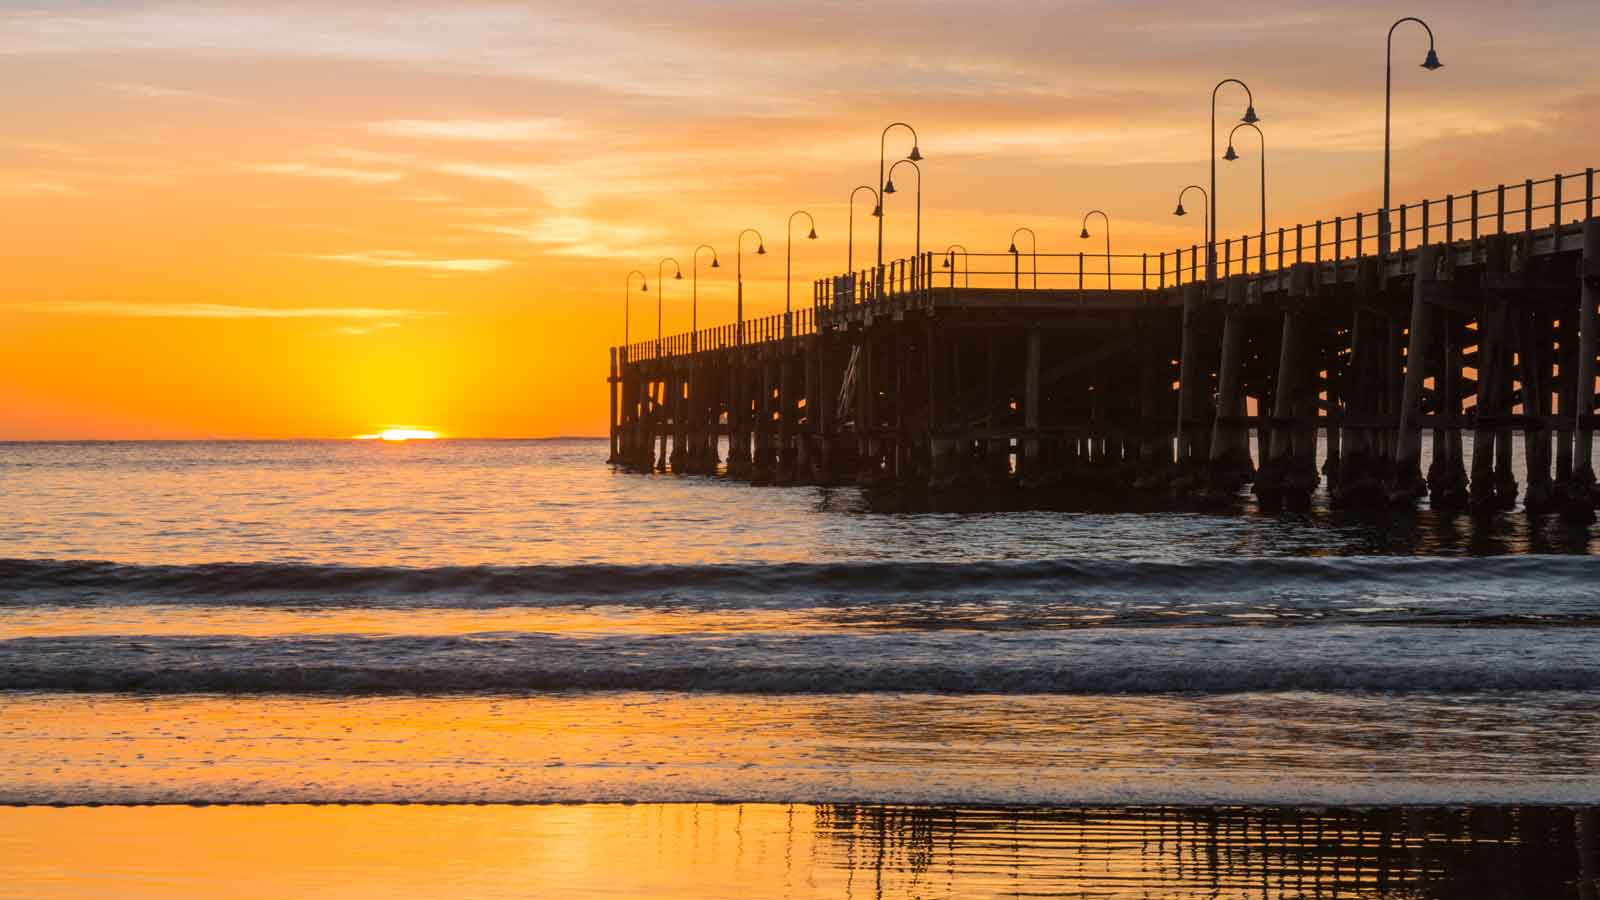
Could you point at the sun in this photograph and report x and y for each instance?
(400, 434)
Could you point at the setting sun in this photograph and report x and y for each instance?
(400, 434)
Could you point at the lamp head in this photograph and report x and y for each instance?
(1179, 211)
(678, 276)
(916, 155)
(761, 249)
(1012, 248)
(947, 261)
(715, 264)
(888, 187)
(1432, 62)
(877, 211)
(1230, 156)
(644, 286)
(812, 236)
(1250, 117)
(1084, 233)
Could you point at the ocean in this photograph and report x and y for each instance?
(334, 633)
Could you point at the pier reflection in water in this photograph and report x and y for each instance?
(1483, 852)
(772, 850)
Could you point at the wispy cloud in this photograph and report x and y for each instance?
(356, 330)
(338, 173)
(395, 259)
(162, 92)
(36, 187)
(515, 130)
(146, 310)
(577, 236)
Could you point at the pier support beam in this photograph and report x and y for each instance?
(1191, 431)
(1030, 464)
(1408, 485)
(1580, 499)
(1230, 465)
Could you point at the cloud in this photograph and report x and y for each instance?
(516, 130)
(144, 310)
(365, 329)
(36, 187)
(161, 92)
(395, 259)
(338, 173)
(577, 236)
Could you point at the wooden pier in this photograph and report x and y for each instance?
(1103, 374)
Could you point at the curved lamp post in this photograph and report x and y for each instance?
(1205, 217)
(1249, 117)
(1430, 62)
(627, 316)
(888, 188)
(661, 293)
(738, 275)
(877, 212)
(966, 264)
(1035, 251)
(1085, 235)
(914, 155)
(1230, 156)
(694, 300)
(788, 265)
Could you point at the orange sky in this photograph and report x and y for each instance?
(273, 220)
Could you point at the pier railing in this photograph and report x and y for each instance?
(760, 330)
(1455, 219)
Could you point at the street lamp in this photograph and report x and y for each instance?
(966, 264)
(877, 211)
(1085, 235)
(661, 293)
(1230, 156)
(1205, 217)
(1035, 251)
(694, 301)
(914, 155)
(1430, 62)
(888, 188)
(788, 264)
(1249, 117)
(738, 275)
(627, 316)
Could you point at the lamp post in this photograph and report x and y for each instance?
(694, 300)
(877, 212)
(1249, 117)
(966, 264)
(1430, 62)
(888, 188)
(661, 293)
(788, 266)
(1230, 156)
(738, 276)
(627, 315)
(1205, 217)
(1034, 251)
(914, 155)
(1085, 235)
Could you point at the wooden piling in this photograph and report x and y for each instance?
(1408, 485)
(1580, 500)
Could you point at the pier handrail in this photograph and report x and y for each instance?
(1458, 219)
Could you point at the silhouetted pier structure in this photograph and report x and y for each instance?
(1113, 372)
